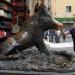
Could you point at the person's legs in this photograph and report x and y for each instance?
(57, 39)
(74, 48)
(50, 39)
(45, 35)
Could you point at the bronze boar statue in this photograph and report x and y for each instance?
(30, 36)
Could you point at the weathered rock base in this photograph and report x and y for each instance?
(32, 60)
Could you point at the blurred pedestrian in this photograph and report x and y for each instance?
(57, 35)
(45, 35)
(15, 26)
(72, 32)
(51, 34)
(36, 9)
(2, 34)
(26, 11)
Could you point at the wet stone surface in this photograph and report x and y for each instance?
(32, 60)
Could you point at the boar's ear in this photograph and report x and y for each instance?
(44, 12)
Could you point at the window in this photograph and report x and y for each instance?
(68, 8)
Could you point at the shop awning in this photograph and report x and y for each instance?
(65, 20)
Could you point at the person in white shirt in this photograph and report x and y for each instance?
(57, 36)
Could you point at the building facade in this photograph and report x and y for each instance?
(63, 10)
